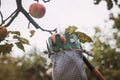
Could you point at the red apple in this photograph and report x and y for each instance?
(3, 33)
(62, 38)
(37, 10)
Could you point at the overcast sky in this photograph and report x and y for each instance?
(60, 13)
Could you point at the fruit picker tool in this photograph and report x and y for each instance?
(75, 44)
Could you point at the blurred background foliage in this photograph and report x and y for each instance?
(106, 46)
(106, 49)
(28, 67)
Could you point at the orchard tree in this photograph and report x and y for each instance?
(107, 53)
(106, 56)
(36, 10)
(107, 46)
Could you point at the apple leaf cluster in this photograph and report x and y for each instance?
(14, 38)
(80, 35)
(6, 45)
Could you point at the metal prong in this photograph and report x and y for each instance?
(47, 46)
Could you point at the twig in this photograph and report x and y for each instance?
(1, 18)
(46, 1)
(3, 21)
(10, 15)
(0, 3)
(34, 23)
(12, 18)
(28, 25)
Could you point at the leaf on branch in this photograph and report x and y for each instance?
(71, 29)
(20, 46)
(109, 4)
(21, 39)
(15, 37)
(83, 37)
(32, 32)
(15, 32)
(6, 48)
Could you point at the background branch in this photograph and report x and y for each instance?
(3, 21)
(12, 18)
(0, 3)
(1, 18)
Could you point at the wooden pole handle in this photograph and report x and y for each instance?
(97, 74)
(94, 71)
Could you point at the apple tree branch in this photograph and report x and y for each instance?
(26, 14)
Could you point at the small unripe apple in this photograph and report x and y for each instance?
(3, 33)
(62, 39)
(37, 10)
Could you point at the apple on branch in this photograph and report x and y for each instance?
(37, 10)
(3, 33)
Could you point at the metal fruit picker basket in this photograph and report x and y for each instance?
(67, 59)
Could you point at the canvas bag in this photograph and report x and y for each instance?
(68, 65)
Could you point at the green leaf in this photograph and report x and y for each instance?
(71, 29)
(15, 37)
(9, 47)
(20, 46)
(32, 32)
(109, 4)
(23, 40)
(83, 37)
(6, 48)
(15, 32)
